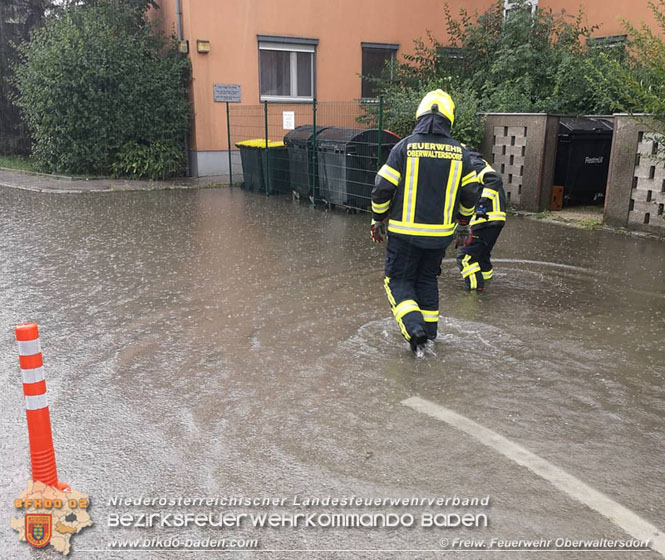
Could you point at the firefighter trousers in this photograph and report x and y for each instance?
(412, 285)
(473, 259)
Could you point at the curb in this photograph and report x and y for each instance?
(576, 224)
(93, 190)
(46, 175)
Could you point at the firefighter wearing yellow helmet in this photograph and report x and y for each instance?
(427, 182)
(475, 250)
(437, 102)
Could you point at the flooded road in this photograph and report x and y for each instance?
(219, 343)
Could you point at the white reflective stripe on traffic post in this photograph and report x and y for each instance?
(32, 375)
(29, 347)
(36, 402)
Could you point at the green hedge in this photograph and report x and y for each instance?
(99, 87)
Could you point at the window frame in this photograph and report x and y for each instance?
(293, 46)
(509, 5)
(608, 42)
(392, 47)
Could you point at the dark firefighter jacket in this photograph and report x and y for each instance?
(427, 180)
(492, 190)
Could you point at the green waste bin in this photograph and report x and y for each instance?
(299, 143)
(257, 161)
(348, 161)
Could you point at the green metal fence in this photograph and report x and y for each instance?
(327, 153)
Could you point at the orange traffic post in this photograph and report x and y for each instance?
(42, 454)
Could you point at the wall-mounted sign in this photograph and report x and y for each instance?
(288, 120)
(226, 92)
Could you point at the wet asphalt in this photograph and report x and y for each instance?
(214, 343)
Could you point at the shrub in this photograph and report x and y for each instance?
(527, 62)
(636, 84)
(154, 161)
(96, 81)
(400, 110)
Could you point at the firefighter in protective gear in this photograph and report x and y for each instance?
(473, 258)
(419, 193)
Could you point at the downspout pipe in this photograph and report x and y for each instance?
(178, 19)
(178, 27)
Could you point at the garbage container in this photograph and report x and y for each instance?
(257, 161)
(299, 143)
(348, 161)
(583, 158)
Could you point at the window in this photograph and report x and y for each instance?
(513, 6)
(613, 41)
(376, 57)
(286, 68)
(448, 59)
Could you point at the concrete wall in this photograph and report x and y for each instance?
(522, 147)
(635, 195)
(216, 163)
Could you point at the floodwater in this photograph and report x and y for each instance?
(217, 343)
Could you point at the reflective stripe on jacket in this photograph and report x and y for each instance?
(492, 189)
(427, 181)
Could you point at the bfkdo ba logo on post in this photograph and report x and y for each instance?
(38, 529)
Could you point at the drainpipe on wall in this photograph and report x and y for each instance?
(178, 26)
(178, 21)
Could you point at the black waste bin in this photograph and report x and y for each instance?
(257, 161)
(583, 158)
(299, 144)
(348, 160)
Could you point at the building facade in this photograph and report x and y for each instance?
(289, 51)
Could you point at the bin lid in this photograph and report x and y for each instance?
(575, 125)
(259, 143)
(302, 134)
(339, 135)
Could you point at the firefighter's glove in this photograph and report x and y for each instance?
(463, 234)
(377, 231)
(481, 208)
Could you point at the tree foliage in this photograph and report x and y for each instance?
(400, 110)
(636, 84)
(99, 78)
(17, 19)
(530, 61)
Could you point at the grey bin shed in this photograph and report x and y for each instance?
(299, 144)
(348, 160)
(583, 158)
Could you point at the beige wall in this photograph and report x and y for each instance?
(606, 13)
(340, 26)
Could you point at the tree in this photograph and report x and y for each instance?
(636, 83)
(17, 19)
(530, 61)
(104, 92)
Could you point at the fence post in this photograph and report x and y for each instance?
(228, 137)
(378, 155)
(315, 174)
(267, 160)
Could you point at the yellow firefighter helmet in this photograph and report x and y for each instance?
(438, 102)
